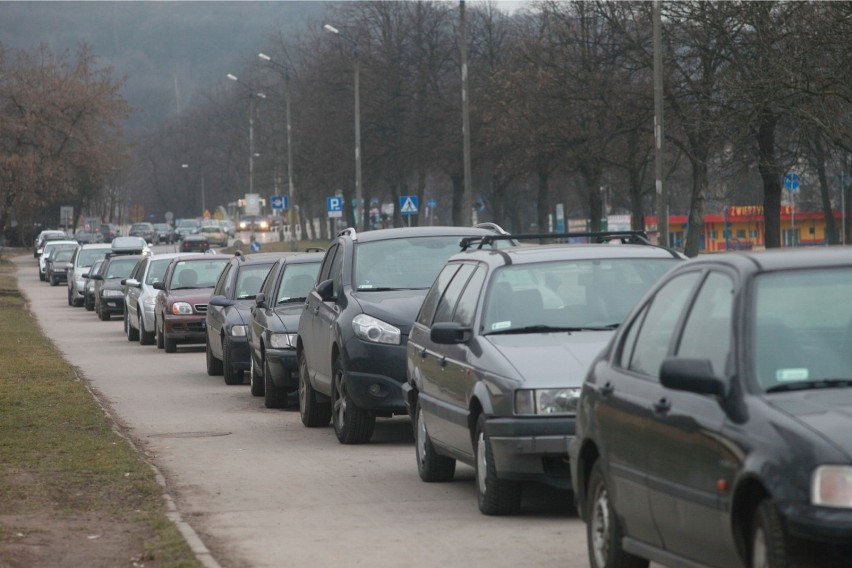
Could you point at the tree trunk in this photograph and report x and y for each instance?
(831, 234)
(592, 177)
(696, 207)
(543, 204)
(770, 173)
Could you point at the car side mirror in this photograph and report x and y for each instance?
(68, 266)
(325, 290)
(159, 285)
(449, 333)
(260, 300)
(691, 375)
(132, 283)
(220, 301)
(85, 275)
(96, 277)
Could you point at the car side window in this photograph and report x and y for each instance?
(224, 285)
(629, 342)
(655, 336)
(140, 270)
(327, 262)
(709, 328)
(430, 303)
(448, 301)
(466, 308)
(335, 272)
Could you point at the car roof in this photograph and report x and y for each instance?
(780, 259)
(527, 254)
(61, 242)
(88, 246)
(405, 232)
(305, 257)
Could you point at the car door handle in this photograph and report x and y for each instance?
(662, 406)
(443, 362)
(607, 388)
(316, 310)
(423, 353)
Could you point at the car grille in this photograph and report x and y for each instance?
(201, 308)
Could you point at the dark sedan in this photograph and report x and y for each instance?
(194, 243)
(714, 429)
(274, 324)
(144, 230)
(55, 265)
(109, 290)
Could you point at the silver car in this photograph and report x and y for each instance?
(139, 291)
(84, 258)
(45, 251)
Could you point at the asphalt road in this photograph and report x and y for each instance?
(263, 491)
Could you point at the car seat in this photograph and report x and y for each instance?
(187, 278)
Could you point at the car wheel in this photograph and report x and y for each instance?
(145, 337)
(767, 542)
(54, 281)
(214, 365)
(88, 303)
(255, 379)
(169, 345)
(430, 465)
(103, 315)
(232, 377)
(603, 533)
(41, 276)
(496, 496)
(69, 297)
(274, 397)
(351, 424)
(313, 413)
(132, 332)
(158, 335)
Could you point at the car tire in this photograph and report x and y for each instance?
(430, 465)
(232, 377)
(41, 276)
(69, 297)
(132, 332)
(158, 335)
(314, 414)
(214, 365)
(145, 337)
(352, 425)
(89, 305)
(169, 345)
(76, 302)
(103, 315)
(273, 396)
(603, 532)
(53, 281)
(496, 496)
(255, 379)
(767, 543)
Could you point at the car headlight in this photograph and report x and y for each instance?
(375, 330)
(547, 401)
(282, 340)
(264, 224)
(831, 486)
(112, 293)
(181, 309)
(238, 330)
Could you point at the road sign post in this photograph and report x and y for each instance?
(792, 182)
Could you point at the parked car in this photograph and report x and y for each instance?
(215, 235)
(352, 338)
(181, 304)
(164, 233)
(109, 287)
(84, 257)
(55, 265)
(228, 315)
(84, 237)
(144, 230)
(499, 350)
(129, 245)
(49, 246)
(44, 236)
(184, 227)
(194, 243)
(140, 296)
(89, 285)
(274, 323)
(714, 429)
(109, 231)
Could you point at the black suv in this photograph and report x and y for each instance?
(354, 330)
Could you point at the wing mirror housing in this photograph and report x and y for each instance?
(325, 289)
(691, 375)
(159, 285)
(260, 300)
(449, 333)
(220, 301)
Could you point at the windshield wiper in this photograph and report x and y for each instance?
(291, 300)
(536, 329)
(386, 289)
(810, 385)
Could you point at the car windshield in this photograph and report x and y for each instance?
(297, 281)
(89, 256)
(187, 224)
(249, 280)
(63, 254)
(202, 273)
(402, 264)
(121, 268)
(157, 270)
(802, 329)
(568, 295)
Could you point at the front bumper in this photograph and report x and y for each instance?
(532, 449)
(189, 329)
(240, 354)
(374, 376)
(284, 367)
(824, 524)
(113, 304)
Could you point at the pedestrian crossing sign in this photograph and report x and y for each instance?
(408, 205)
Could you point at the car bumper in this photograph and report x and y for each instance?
(189, 329)
(374, 376)
(112, 305)
(284, 367)
(823, 524)
(240, 355)
(532, 449)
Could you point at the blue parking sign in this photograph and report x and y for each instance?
(334, 205)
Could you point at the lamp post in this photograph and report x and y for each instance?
(291, 190)
(356, 57)
(252, 95)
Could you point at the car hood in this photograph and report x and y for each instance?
(240, 312)
(828, 412)
(550, 359)
(287, 317)
(398, 307)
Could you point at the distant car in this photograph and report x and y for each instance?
(55, 265)
(184, 227)
(144, 230)
(88, 237)
(184, 292)
(229, 226)
(140, 296)
(84, 257)
(274, 324)
(229, 311)
(194, 243)
(49, 246)
(44, 236)
(89, 285)
(164, 233)
(109, 290)
(253, 223)
(109, 231)
(714, 429)
(215, 235)
(129, 245)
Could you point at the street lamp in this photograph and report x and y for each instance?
(252, 95)
(291, 191)
(359, 221)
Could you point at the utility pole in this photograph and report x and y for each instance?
(662, 198)
(467, 194)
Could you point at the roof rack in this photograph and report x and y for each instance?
(492, 227)
(238, 252)
(625, 237)
(349, 231)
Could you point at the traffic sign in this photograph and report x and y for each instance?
(792, 181)
(280, 202)
(255, 246)
(432, 204)
(334, 205)
(408, 205)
